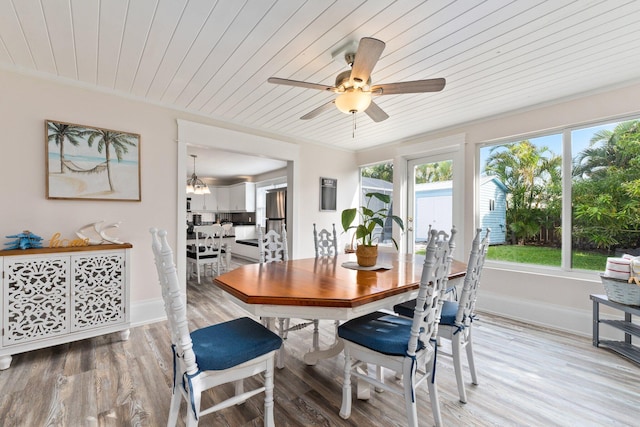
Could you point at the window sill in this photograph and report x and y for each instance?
(543, 270)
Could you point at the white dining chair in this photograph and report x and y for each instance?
(400, 344)
(207, 251)
(325, 242)
(273, 245)
(213, 355)
(456, 318)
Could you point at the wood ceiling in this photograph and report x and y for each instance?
(213, 58)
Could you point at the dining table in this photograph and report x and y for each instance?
(325, 288)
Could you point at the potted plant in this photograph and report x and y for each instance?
(367, 249)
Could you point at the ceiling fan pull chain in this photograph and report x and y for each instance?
(353, 132)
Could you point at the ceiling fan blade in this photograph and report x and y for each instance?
(416, 86)
(287, 82)
(369, 51)
(316, 112)
(376, 113)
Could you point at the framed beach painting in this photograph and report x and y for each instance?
(90, 163)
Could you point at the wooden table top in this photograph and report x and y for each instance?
(324, 282)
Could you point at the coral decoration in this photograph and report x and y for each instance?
(24, 240)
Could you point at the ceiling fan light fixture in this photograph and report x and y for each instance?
(353, 101)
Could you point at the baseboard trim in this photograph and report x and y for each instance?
(148, 311)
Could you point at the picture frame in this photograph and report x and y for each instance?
(91, 163)
(328, 194)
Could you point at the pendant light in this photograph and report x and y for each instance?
(194, 184)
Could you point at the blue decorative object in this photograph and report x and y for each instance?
(24, 240)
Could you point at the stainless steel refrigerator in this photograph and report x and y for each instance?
(276, 209)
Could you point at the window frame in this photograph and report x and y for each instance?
(565, 269)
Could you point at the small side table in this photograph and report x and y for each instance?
(626, 347)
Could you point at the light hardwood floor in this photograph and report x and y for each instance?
(528, 377)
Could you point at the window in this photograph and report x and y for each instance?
(522, 190)
(605, 193)
(378, 179)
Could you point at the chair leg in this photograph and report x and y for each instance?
(345, 409)
(363, 388)
(456, 350)
(198, 271)
(433, 396)
(472, 365)
(408, 381)
(174, 409)
(239, 387)
(268, 395)
(197, 394)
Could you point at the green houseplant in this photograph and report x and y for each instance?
(367, 249)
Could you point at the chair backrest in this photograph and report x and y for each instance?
(227, 226)
(273, 246)
(210, 244)
(467, 302)
(173, 303)
(326, 243)
(433, 285)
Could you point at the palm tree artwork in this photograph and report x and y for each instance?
(95, 163)
(58, 133)
(106, 139)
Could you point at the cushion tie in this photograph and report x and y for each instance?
(175, 362)
(190, 390)
(413, 367)
(435, 359)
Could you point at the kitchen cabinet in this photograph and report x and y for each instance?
(205, 202)
(200, 202)
(242, 197)
(222, 194)
(52, 296)
(234, 198)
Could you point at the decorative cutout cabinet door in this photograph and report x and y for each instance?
(98, 296)
(52, 296)
(36, 298)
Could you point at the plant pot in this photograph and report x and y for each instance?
(367, 255)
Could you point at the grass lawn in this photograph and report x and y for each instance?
(542, 256)
(546, 256)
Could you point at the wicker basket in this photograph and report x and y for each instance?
(621, 291)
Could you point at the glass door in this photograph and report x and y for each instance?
(430, 199)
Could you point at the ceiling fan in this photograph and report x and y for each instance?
(354, 87)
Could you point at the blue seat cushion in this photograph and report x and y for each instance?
(231, 343)
(406, 308)
(382, 332)
(447, 316)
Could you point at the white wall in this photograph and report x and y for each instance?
(26, 102)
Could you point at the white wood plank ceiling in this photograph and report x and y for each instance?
(213, 58)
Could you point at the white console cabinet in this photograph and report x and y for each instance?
(52, 296)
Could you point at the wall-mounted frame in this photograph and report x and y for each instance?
(90, 163)
(328, 194)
